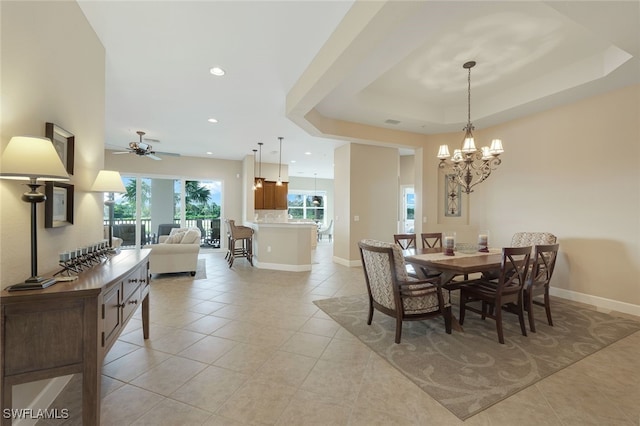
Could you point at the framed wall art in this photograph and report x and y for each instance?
(453, 197)
(64, 143)
(58, 207)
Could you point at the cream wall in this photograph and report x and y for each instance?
(369, 208)
(572, 171)
(52, 71)
(50, 75)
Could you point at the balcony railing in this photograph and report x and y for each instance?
(209, 228)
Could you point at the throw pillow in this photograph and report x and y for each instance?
(175, 238)
(176, 230)
(191, 236)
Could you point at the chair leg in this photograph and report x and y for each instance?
(370, 312)
(520, 308)
(529, 302)
(462, 308)
(547, 307)
(398, 329)
(447, 319)
(499, 325)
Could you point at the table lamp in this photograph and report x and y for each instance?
(109, 181)
(32, 158)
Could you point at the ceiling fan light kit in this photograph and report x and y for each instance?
(143, 149)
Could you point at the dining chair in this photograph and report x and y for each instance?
(405, 241)
(522, 239)
(431, 240)
(392, 292)
(544, 262)
(506, 292)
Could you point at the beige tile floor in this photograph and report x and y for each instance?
(248, 346)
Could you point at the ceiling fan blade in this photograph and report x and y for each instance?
(169, 154)
(121, 152)
(153, 157)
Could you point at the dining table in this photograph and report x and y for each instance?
(428, 261)
(450, 266)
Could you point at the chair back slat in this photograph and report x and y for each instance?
(431, 240)
(544, 262)
(405, 241)
(513, 269)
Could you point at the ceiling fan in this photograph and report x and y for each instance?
(144, 149)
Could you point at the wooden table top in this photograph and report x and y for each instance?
(460, 263)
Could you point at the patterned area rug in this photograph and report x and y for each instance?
(468, 371)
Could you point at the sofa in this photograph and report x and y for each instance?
(176, 252)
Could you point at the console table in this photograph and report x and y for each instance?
(69, 327)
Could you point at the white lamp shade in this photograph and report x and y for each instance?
(443, 151)
(469, 145)
(496, 147)
(108, 181)
(28, 157)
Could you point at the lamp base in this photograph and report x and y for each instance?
(33, 283)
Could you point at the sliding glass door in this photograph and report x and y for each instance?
(152, 206)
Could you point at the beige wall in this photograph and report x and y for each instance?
(55, 76)
(369, 208)
(572, 171)
(52, 71)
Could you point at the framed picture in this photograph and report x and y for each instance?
(64, 143)
(58, 207)
(453, 197)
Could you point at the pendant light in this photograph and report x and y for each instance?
(279, 181)
(316, 199)
(259, 179)
(254, 168)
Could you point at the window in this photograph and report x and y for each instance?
(307, 205)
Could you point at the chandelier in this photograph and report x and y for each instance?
(470, 166)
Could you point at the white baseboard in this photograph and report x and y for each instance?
(346, 262)
(600, 302)
(44, 399)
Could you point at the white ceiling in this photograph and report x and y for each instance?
(531, 56)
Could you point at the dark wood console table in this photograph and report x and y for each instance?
(69, 327)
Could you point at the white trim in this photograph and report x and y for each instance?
(600, 302)
(281, 266)
(346, 262)
(44, 399)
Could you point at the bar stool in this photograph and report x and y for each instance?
(242, 234)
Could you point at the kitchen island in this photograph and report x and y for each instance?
(284, 246)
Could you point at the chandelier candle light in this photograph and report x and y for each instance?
(469, 165)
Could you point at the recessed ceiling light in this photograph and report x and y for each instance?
(293, 161)
(209, 153)
(212, 120)
(217, 71)
(307, 153)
